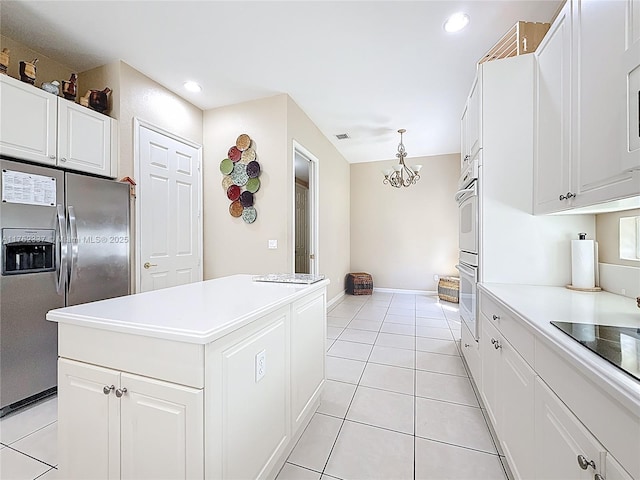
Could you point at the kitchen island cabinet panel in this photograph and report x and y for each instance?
(307, 356)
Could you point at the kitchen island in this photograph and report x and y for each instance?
(215, 379)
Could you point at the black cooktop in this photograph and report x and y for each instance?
(618, 345)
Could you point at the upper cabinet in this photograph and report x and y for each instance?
(40, 127)
(471, 123)
(586, 153)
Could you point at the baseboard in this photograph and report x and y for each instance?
(399, 290)
(336, 299)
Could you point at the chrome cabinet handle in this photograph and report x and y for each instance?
(496, 317)
(466, 345)
(495, 343)
(107, 389)
(120, 392)
(52, 157)
(148, 265)
(63, 159)
(567, 196)
(584, 463)
(597, 476)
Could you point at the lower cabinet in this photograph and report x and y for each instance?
(569, 451)
(507, 392)
(471, 353)
(118, 425)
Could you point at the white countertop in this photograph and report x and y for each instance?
(539, 305)
(195, 313)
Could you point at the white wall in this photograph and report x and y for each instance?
(403, 236)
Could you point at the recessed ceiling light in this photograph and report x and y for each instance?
(192, 86)
(456, 22)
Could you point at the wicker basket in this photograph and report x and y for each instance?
(359, 283)
(449, 289)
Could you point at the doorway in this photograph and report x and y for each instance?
(305, 211)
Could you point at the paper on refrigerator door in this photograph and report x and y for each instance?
(28, 188)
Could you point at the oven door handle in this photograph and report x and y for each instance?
(466, 270)
(461, 193)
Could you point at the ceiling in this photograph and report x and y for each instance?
(365, 68)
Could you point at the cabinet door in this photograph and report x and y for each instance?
(471, 354)
(84, 139)
(516, 411)
(308, 334)
(162, 427)
(464, 146)
(601, 92)
(474, 117)
(613, 470)
(88, 422)
(560, 439)
(27, 122)
(490, 369)
(631, 68)
(553, 117)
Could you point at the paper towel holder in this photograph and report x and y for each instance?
(583, 236)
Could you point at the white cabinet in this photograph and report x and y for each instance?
(87, 140)
(40, 127)
(28, 117)
(471, 122)
(507, 392)
(569, 451)
(587, 125)
(471, 354)
(552, 159)
(119, 425)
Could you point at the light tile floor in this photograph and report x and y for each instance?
(397, 404)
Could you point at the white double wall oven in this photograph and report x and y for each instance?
(468, 213)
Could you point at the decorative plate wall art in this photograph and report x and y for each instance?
(240, 180)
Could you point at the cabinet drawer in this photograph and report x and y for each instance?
(511, 327)
(617, 428)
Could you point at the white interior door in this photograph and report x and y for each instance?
(169, 206)
(305, 212)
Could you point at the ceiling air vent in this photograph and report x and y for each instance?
(342, 136)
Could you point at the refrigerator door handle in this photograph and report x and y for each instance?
(73, 242)
(61, 249)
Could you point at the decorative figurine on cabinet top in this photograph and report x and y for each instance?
(98, 100)
(70, 88)
(51, 87)
(28, 71)
(4, 60)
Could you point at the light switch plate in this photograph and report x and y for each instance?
(273, 244)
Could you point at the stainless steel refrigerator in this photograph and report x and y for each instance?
(65, 241)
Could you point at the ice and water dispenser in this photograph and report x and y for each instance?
(27, 251)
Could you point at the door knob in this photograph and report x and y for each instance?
(148, 265)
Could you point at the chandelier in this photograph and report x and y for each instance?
(401, 175)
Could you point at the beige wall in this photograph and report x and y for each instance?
(333, 197)
(46, 69)
(608, 237)
(230, 245)
(404, 236)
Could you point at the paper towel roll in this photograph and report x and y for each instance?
(582, 264)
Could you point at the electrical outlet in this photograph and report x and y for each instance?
(273, 244)
(261, 365)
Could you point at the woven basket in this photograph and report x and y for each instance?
(449, 289)
(359, 283)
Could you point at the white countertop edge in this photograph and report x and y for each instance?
(621, 386)
(187, 336)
